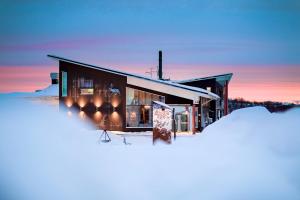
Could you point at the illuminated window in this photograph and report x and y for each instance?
(87, 91)
(86, 86)
(64, 87)
(139, 108)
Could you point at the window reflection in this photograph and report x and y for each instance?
(139, 108)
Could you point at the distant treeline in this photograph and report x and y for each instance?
(272, 106)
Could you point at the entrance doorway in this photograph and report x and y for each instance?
(182, 122)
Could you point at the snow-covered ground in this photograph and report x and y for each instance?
(44, 154)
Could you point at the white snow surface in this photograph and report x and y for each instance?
(50, 91)
(45, 154)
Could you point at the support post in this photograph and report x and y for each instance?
(226, 98)
(193, 119)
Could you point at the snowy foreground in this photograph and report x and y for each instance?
(44, 154)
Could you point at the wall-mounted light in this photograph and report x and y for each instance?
(147, 107)
(82, 102)
(115, 101)
(69, 102)
(98, 101)
(97, 116)
(115, 116)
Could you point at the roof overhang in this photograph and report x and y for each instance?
(170, 89)
(167, 87)
(219, 78)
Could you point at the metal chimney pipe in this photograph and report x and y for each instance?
(159, 71)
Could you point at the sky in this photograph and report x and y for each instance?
(257, 40)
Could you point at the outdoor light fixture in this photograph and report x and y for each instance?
(98, 101)
(147, 107)
(81, 102)
(97, 116)
(69, 102)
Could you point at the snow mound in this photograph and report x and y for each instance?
(249, 154)
(51, 90)
(258, 127)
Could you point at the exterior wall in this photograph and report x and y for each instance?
(100, 106)
(169, 99)
(215, 107)
(104, 107)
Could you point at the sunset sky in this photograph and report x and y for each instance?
(257, 40)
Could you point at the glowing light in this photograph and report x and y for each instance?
(69, 102)
(98, 101)
(82, 114)
(115, 117)
(147, 107)
(97, 116)
(82, 102)
(115, 101)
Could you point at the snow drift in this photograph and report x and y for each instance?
(249, 154)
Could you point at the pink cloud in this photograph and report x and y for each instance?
(277, 83)
(24, 78)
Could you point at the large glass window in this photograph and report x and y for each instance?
(139, 107)
(64, 91)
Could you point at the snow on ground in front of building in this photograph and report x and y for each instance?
(50, 91)
(249, 154)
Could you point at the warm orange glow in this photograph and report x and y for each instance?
(82, 114)
(69, 102)
(98, 116)
(82, 102)
(115, 101)
(115, 117)
(147, 107)
(98, 101)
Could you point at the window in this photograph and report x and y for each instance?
(208, 89)
(87, 91)
(86, 86)
(64, 87)
(139, 107)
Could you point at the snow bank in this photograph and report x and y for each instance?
(250, 154)
(50, 91)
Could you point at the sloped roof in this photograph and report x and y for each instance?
(194, 91)
(219, 78)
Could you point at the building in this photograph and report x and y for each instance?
(218, 85)
(121, 101)
(54, 78)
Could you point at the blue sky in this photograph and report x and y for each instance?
(191, 32)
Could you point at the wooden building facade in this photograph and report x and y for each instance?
(121, 101)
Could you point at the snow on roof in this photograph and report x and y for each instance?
(162, 104)
(220, 77)
(172, 88)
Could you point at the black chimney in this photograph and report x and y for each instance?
(159, 71)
